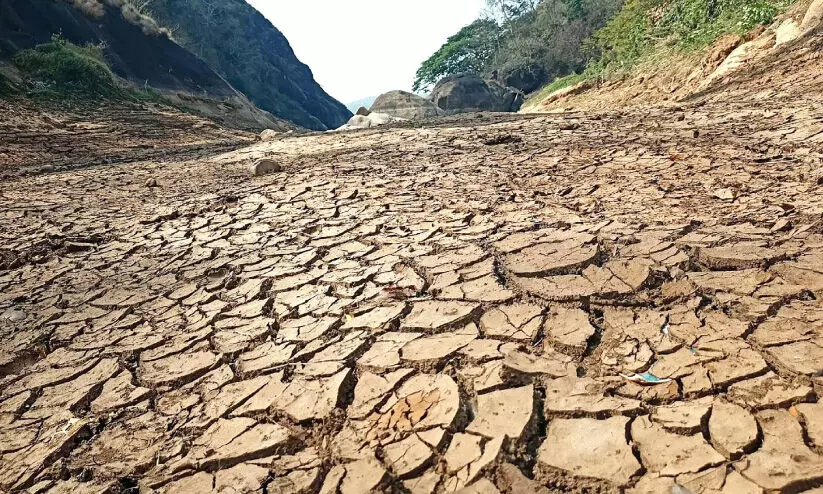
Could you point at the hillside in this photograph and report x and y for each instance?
(663, 49)
(672, 51)
(239, 56)
(158, 64)
(244, 47)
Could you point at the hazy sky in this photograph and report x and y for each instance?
(360, 48)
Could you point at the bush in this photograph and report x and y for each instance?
(6, 87)
(68, 68)
(625, 38)
(147, 94)
(696, 23)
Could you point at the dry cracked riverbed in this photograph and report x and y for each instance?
(440, 309)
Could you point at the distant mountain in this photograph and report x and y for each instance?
(366, 102)
(252, 55)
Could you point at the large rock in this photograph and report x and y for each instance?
(741, 56)
(410, 106)
(526, 78)
(373, 119)
(814, 16)
(467, 92)
(264, 167)
(787, 31)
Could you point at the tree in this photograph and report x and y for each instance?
(470, 50)
(532, 41)
(507, 11)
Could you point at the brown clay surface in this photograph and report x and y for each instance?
(42, 139)
(426, 309)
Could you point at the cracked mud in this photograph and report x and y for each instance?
(413, 310)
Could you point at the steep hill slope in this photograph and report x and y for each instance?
(158, 62)
(141, 55)
(253, 56)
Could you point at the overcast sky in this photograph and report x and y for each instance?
(360, 48)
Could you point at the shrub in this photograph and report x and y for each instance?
(623, 39)
(6, 87)
(147, 94)
(68, 68)
(696, 23)
(134, 11)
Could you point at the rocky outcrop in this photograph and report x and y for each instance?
(406, 105)
(468, 92)
(372, 119)
(252, 55)
(527, 79)
(814, 16)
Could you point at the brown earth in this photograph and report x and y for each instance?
(40, 139)
(422, 310)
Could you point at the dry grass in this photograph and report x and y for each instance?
(96, 9)
(91, 8)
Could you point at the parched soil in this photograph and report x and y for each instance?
(460, 307)
(38, 138)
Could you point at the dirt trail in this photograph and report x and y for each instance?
(428, 310)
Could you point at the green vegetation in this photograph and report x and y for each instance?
(60, 70)
(65, 68)
(236, 42)
(523, 43)
(6, 88)
(567, 41)
(467, 51)
(644, 26)
(147, 94)
(558, 84)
